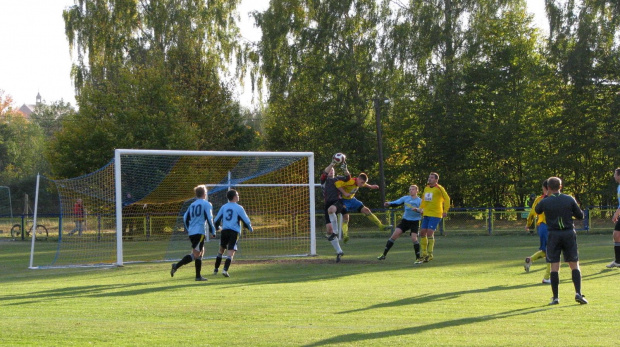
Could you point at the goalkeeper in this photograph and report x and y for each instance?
(198, 214)
(333, 204)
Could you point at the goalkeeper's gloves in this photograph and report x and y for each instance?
(334, 163)
(343, 166)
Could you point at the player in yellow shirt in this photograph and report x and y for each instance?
(348, 188)
(543, 234)
(435, 206)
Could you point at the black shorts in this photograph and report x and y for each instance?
(406, 224)
(617, 227)
(564, 242)
(198, 241)
(339, 209)
(228, 239)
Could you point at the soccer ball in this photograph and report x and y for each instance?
(339, 158)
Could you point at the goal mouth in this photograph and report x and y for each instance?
(131, 209)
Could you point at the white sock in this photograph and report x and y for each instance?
(336, 245)
(334, 220)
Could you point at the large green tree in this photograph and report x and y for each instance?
(466, 84)
(584, 132)
(21, 145)
(149, 75)
(319, 63)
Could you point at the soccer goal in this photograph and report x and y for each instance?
(131, 210)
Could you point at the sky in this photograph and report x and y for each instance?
(35, 54)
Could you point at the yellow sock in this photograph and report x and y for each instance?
(345, 232)
(538, 255)
(374, 219)
(424, 245)
(548, 271)
(431, 245)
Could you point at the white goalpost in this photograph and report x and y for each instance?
(131, 210)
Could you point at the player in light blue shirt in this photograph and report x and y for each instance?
(231, 216)
(198, 216)
(411, 221)
(616, 220)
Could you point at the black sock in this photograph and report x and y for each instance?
(198, 264)
(227, 263)
(555, 283)
(617, 251)
(388, 245)
(185, 260)
(416, 248)
(218, 261)
(577, 280)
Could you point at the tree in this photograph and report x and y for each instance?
(465, 77)
(21, 145)
(318, 61)
(49, 117)
(583, 44)
(148, 75)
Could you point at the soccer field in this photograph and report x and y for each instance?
(475, 293)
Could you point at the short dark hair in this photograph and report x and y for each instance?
(546, 184)
(554, 183)
(363, 176)
(617, 172)
(200, 190)
(231, 194)
(435, 174)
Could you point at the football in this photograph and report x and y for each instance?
(339, 158)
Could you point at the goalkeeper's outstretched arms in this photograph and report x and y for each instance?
(328, 170)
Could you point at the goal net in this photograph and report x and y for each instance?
(131, 210)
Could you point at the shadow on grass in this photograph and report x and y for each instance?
(425, 298)
(355, 338)
(110, 290)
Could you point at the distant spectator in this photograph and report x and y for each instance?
(78, 216)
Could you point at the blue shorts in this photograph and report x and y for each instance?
(430, 223)
(353, 204)
(543, 234)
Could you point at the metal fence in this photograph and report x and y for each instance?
(460, 221)
(476, 221)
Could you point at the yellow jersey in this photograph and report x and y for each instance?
(435, 201)
(540, 218)
(349, 186)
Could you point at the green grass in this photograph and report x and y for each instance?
(475, 293)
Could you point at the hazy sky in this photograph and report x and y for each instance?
(35, 53)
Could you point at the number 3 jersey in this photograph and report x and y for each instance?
(231, 215)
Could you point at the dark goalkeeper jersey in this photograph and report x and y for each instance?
(559, 210)
(330, 192)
